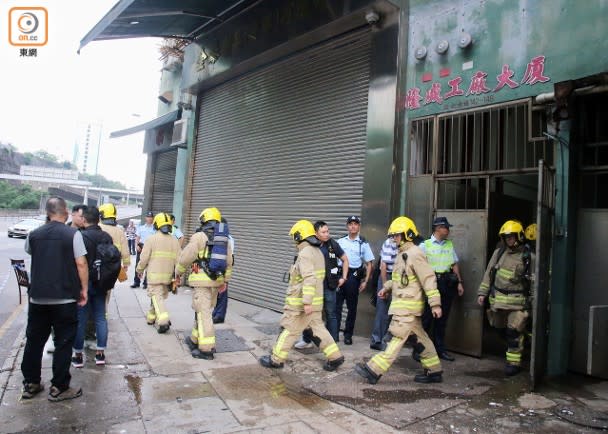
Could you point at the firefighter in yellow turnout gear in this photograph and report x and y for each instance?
(411, 276)
(159, 256)
(205, 288)
(507, 281)
(304, 302)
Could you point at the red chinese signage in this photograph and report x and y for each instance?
(478, 86)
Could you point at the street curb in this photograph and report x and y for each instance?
(11, 360)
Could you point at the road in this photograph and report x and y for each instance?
(12, 314)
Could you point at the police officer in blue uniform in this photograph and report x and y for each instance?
(360, 257)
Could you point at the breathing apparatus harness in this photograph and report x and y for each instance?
(526, 257)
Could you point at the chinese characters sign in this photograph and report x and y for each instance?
(480, 89)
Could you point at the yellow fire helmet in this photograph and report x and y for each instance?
(512, 227)
(301, 230)
(107, 211)
(162, 222)
(530, 232)
(403, 225)
(210, 214)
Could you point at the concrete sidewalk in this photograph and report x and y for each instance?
(151, 384)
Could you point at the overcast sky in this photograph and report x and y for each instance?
(47, 100)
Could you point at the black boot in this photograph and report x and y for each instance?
(267, 362)
(511, 370)
(435, 377)
(163, 328)
(365, 372)
(332, 365)
(191, 345)
(198, 354)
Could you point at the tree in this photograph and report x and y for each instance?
(18, 197)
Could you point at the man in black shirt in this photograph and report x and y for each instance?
(59, 279)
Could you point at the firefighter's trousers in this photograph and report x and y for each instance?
(515, 323)
(157, 313)
(401, 327)
(293, 324)
(203, 332)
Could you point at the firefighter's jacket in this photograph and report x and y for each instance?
(306, 279)
(511, 286)
(412, 277)
(119, 240)
(197, 249)
(159, 256)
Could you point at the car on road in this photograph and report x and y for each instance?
(23, 227)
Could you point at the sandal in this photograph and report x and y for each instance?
(56, 395)
(31, 389)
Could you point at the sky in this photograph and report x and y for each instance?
(48, 100)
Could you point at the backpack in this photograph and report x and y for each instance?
(106, 266)
(215, 262)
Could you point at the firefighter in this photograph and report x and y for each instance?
(507, 281)
(412, 277)
(205, 285)
(159, 256)
(530, 234)
(304, 301)
(107, 214)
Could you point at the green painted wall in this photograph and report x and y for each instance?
(570, 34)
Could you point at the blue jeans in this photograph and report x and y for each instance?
(97, 305)
(331, 321)
(221, 306)
(382, 318)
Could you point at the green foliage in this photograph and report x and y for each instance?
(45, 156)
(28, 157)
(101, 181)
(18, 196)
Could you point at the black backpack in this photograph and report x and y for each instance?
(104, 269)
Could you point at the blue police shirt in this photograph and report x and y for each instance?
(356, 251)
(144, 232)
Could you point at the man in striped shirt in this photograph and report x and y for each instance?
(388, 252)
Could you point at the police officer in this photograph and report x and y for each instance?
(507, 281)
(159, 256)
(360, 259)
(379, 337)
(205, 286)
(412, 277)
(304, 301)
(442, 258)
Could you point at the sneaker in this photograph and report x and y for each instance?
(56, 395)
(78, 360)
(31, 389)
(100, 359)
(302, 345)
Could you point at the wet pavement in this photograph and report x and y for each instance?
(151, 384)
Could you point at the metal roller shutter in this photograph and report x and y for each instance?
(279, 144)
(163, 184)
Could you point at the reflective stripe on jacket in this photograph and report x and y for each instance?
(306, 279)
(509, 276)
(409, 279)
(159, 256)
(197, 248)
(440, 256)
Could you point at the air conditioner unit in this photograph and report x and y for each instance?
(180, 129)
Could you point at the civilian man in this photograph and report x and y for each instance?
(59, 281)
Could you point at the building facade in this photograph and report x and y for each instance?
(480, 111)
